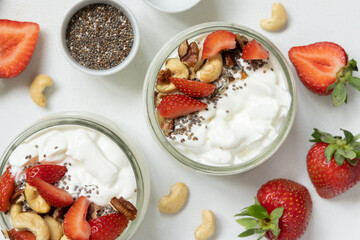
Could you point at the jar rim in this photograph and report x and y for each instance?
(148, 98)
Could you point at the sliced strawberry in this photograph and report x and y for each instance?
(47, 172)
(21, 235)
(7, 188)
(17, 44)
(254, 51)
(217, 41)
(53, 195)
(191, 88)
(75, 225)
(173, 106)
(108, 227)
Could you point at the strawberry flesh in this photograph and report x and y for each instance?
(21, 235)
(254, 51)
(7, 188)
(192, 88)
(47, 172)
(328, 178)
(216, 42)
(297, 204)
(173, 106)
(108, 227)
(53, 195)
(17, 44)
(317, 64)
(75, 225)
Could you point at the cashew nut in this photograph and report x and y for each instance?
(277, 20)
(177, 68)
(37, 87)
(64, 238)
(29, 221)
(211, 69)
(55, 228)
(35, 201)
(207, 227)
(173, 202)
(163, 83)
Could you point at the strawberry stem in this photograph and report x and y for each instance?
(344, 76)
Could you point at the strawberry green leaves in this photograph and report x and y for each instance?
(256, 220)
(341, 149)
(339, 93)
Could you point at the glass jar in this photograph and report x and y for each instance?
(158, 63)
(107, 128)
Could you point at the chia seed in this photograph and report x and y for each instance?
(99, 36)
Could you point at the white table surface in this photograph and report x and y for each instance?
(119, 98)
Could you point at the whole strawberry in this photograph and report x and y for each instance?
(323, 68)
(332, 163)
(282, 211)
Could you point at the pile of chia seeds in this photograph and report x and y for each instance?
(99, 36)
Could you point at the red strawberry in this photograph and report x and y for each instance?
(21, 235)
(47, 172)
(17, 44)
(192, 88)
(7, 188)
(108, 227)
(217, 41)
(173, 106)
(332, 163)
(53, 195)
(323, 68)
(254, 51)
(281, 211)
(75, 225)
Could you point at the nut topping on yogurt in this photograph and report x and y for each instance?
(228, 106)
(69, 174)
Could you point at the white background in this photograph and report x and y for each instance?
(119, 98)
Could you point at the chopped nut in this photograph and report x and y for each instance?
(183, 49)
(163, 83)
(59, 213)
(167, 126)
(241, 40)
(229, 59)
(125, 207)
(18, 196)
(93, 211)
(192, 56)
(243, 75)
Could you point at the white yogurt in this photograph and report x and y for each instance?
(244, 123)
(96, 165)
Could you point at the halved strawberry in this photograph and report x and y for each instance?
(254, 51)
(191, 88)
(323, 68)
(217, 41)
(108, 227)
(75, 225)
(17, 44)
(7, 188)
(47, 172)
(173, 106)
(53, 195)
(21, 235)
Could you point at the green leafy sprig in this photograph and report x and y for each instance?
(340, 148)
(256, 220)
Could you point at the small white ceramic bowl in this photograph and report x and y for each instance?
(172, 6)
(82, 4)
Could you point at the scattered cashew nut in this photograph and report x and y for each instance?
(37, 88)
(64, 238)
(277, 20)
(55, 228)
(177, 68)
(29, 221)
(177, 198)
(211, 69)
(207, 227)
(35, 201)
